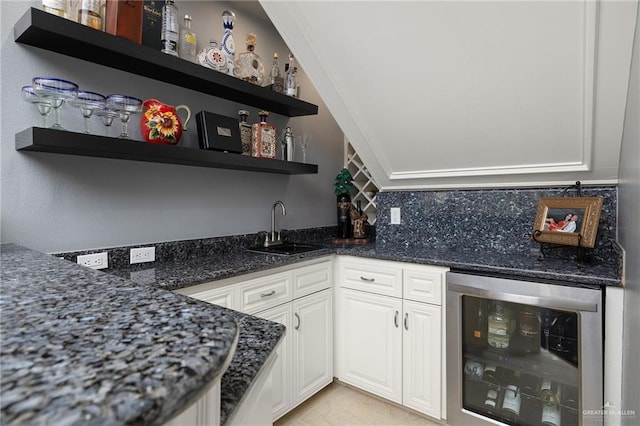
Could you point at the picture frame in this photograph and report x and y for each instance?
(569, 221)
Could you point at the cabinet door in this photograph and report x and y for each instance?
(266, 292)
(281, 374)
(421, 357)
(372, 275)
(312, 278)
(370, 343)
(312, 343)
(423, 283)
(223, 296)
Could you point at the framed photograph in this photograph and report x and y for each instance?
(570, 221)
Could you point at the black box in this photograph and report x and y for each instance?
(152, 24)
(218, 132)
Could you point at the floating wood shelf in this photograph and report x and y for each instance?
(40, 139)
(50, 32)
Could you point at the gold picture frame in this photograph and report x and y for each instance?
(569, 221)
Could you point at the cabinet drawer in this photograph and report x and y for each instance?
(263, 293)
(309, 279)
(423, 284)
(378, 277)
(223, 296)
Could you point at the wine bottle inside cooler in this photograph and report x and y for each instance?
(550, 393)
(492, 377)
(570, 406)
(530, 405)
(512, 398)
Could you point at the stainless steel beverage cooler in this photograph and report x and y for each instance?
(523, 353)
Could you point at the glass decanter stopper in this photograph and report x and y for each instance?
(249, 66)
(227, 46)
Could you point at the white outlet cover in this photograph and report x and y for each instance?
(395, 216)
(94, 260)
(142, 255)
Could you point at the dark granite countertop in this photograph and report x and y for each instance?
(83, 347)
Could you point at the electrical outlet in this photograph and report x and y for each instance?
(395, 215)
(142, 254)
(94, 261)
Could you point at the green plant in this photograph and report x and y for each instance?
(342, 182)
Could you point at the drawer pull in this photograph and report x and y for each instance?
(395, 319)
(406, 318)
(298, 318)
(369, 280)
(271, 293)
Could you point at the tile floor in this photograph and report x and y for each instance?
(339, 404)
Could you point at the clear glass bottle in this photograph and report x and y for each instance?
(276, 81)
(245, 132)
(550, 393)
(249, 66)
(290, 84)
(500, 327)
(263, 138)
(529, 329)
(226, 44)
(56, 7)
(89, 14)
(169, 33)
(187, 43)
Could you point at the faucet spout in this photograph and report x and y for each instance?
(275, 239)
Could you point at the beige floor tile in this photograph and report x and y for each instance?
(341, 405)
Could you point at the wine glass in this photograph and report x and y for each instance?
(88, 102)
(304, 142)
(56, 91)
(107, 116)
(125, 106)
(43, 104)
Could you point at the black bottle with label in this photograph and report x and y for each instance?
(492, 377)
(475, 322)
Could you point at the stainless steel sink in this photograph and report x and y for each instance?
(286, 249)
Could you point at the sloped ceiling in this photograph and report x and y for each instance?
(445, 94)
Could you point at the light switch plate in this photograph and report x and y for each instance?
(395, 216)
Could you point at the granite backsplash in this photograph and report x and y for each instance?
(496, 220)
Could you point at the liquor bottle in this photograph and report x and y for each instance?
(245, 132)
(529, 330)
(550, 393)
(152, 24)
(500, 327)
(89, 14)
(226, 45)
(290, 85)
(212, 57)
(187, 43)
(124, 19)
(263, 138)
(73, 7)
(56, 7)
(512, 399)
(474, 390)
(169, 35)
(478, 337)
(276, 81)
(249, 66)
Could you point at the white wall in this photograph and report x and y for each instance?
(629, 237)
(56, 203)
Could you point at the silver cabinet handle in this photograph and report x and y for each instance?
(298, 318)
(369, 280)
(406, 318)
(395, 319)
(271, 293)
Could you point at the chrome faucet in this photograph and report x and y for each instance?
(275, 236)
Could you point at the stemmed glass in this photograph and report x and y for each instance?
(304, 142)
(88, 102)
(126, 106)
(56, 91)
(107, 116)
(43, 104)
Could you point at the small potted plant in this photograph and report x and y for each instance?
(343, 184)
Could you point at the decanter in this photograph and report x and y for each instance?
(226, 45)
(212, 57)
(249, 66)
(245, 132)
(263, 138)
(276, 81)
(290, 83)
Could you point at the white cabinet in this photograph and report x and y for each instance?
(204, 412)
(312, 344)
(299, 297)
(370, 342)
(389, 330)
